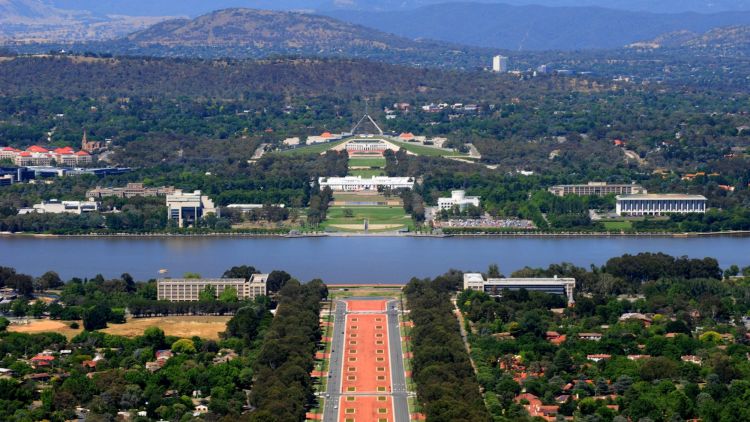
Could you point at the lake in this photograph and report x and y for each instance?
(340, 259)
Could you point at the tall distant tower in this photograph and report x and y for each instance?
(89, 146)
(500, 64)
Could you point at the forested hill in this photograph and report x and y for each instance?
(73, 76)
(251, 33)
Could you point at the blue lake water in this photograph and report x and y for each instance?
(340, 260)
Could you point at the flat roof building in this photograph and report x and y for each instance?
(660, 204)
(189, 289)
(458, 198)
(62, 207)
(188, 208)
(597, 189)
(495, 286)
(357, 183)
(130, 190)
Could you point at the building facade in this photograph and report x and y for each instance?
(458, 198)
(367, 146)
(495, 286)
(131, 190)
(186, 209)
(598, 189)
(189, 289)
(40, 156)
(357, 183)
(660, 204)
(62, 207)
(500, 64)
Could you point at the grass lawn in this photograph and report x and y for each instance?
(427, 151)
(353, 197)
(312, 149)
(336, 292)
(367, 173)
(367, 162)
(379, 218)
(618, 225)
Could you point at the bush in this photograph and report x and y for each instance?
(74, 325)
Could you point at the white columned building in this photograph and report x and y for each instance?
(660, 204)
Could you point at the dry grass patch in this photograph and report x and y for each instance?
(207, 327)
(36, 326)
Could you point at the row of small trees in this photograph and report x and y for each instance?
(283, 387)
(446, 385)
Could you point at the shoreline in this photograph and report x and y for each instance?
(686, 235)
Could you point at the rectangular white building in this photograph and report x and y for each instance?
(495, 286)
(458, 198)
(660, 204)
(500, 64)
(357, 183)
(598, 189)
(189, 289)
(188, 208)
(62, 207)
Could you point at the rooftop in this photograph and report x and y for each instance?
(663, 196)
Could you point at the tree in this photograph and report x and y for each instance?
(276, 281)
(49, 280)
(245, 323)
(229, 295)
(184, 345)
(154, 337)
(243, 271)
(4, 323)
(22, 283)
(96, 317)
(493, 271)
(207, 295)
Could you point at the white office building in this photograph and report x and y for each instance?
(660, 204)
(500, 64)
(189, 289)
(188, 208)
(598, 189)
(495, 286)
(357, 183)
(62, 207)
(458, 198)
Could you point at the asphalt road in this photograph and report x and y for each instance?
(398, 378)
(335, 367)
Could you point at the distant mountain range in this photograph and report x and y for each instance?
(536, 27)
(450, 26)
(728, 40)
(38, 21)
(199, 7)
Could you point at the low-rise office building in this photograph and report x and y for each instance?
(660, 204)
(458, 198)
(188, 208)
(598, 189)
(357, 183)
(495, 286)
(189, 289)
(61, 207)
(131, 190)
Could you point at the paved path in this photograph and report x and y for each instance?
(397, 396)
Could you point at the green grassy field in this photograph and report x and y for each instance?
(367, 173)
(312, 149)
(427, 151)
(376, 216)
(367, 162)
(342, 196)
(618, 225)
